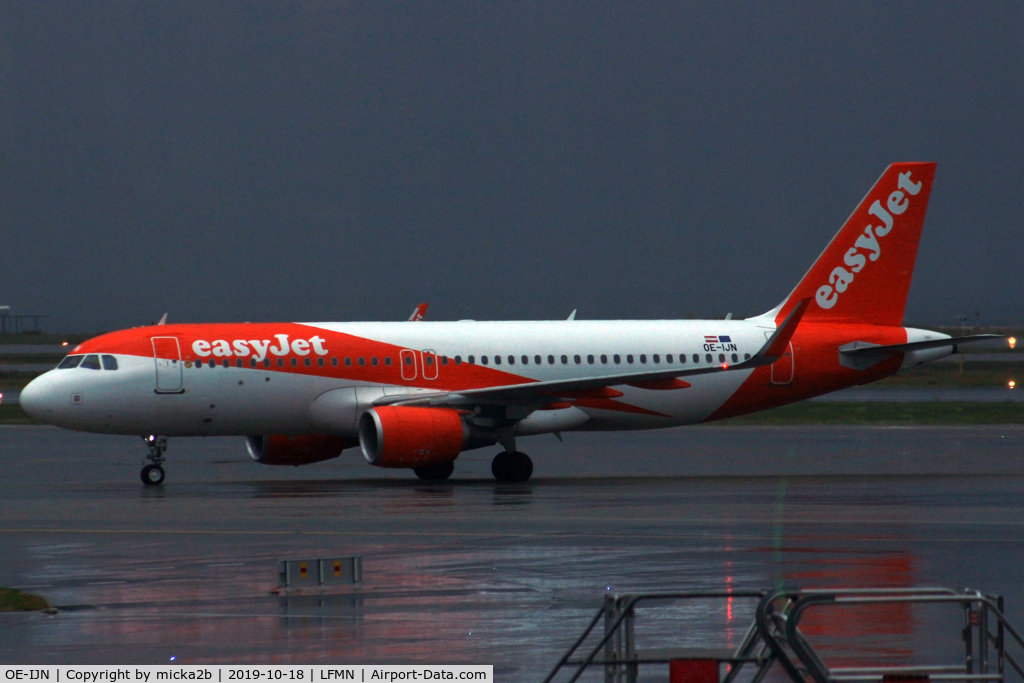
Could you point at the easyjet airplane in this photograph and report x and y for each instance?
(417, 395)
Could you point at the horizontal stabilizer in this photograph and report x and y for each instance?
(863, 355)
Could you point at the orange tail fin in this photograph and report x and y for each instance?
(863, 276)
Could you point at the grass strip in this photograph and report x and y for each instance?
(924, 413)
(12, 600)
(13, 415)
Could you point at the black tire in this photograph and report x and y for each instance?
(152, 475)
(436, 472)
(514, 468)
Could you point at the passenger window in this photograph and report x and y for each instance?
(91, 362)
(668, 358)
(458, 360)
(348, 362)
(497, 360)
(708, 357)
(696, 358)
(721, 358)
(280, 362)
(266, 363)
(746, 356)
(617, 358)
(387, 361)
(307, 362)
(657, 358)
(629, 358)
(373, 361)
(536, 359)
(682, 358)
(362, 361)
(483, 360)
(643, 358)
(590, 359)
(226, 363)
(408, 360)
(239, 362)
(444, 360)
(604, 359)
(295, 362)
(577, 359)
(735, 358)
(565, 360)
(334, 362)
(526, 360)
(252, 362)
(551, 360)
(320, 362)
(70, 362)
(109, 363)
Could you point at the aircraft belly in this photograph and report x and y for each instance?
(660, 409)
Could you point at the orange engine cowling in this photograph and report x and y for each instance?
(279, 449)
(411, 437)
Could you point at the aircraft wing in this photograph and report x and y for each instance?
(600, 387)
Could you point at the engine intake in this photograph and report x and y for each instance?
(400, 436)
(281, 449)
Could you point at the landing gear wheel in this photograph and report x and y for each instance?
(436, 472)
(513, 467)
(152, 475)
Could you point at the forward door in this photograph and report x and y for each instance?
(167, 357)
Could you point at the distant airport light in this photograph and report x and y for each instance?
(65, 344)
(1012, 384)
(1013, 342)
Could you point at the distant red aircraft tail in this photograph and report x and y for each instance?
(863, 276)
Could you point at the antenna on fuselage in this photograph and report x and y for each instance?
(572, 316)
(163, 320)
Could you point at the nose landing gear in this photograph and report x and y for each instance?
(153, 474)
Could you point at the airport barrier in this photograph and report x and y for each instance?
(319, 573)
(774, 637)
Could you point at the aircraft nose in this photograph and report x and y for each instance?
(37, 398)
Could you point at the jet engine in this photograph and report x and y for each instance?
(400, 436)
(280, 449)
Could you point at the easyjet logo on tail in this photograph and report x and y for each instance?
(258, 348)
(867, 246)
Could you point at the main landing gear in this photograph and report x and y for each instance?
(436, 472)
(513, 467)
(153, 475)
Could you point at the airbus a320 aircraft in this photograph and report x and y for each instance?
(417, 395)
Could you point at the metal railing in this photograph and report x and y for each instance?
(616, 651)
(985, 632)
(774, 636)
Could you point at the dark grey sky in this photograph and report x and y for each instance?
(322, 160)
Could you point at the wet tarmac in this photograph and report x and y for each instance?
(471, 571)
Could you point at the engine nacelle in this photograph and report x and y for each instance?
(280, 449)
(400, 436)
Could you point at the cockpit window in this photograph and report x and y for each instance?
(70, 362)
(109, 363)
(91, 362)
